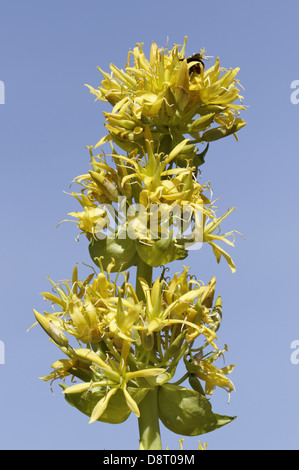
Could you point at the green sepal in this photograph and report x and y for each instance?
(199, 158)
(195, 384)
(196, 160)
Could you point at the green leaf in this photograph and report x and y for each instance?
(117, 410)
(187, 412)
(122, 251)
(199, 158)
(160, 252)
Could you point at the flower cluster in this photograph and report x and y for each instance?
(130, 344)
(165, 95)
(147, 208)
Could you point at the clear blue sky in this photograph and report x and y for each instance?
(48, 51)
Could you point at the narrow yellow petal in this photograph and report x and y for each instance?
(144, 373)
(101, 405)
(131, 403)
(90, 355)
(77, 388)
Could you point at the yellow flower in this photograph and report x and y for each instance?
(61, 369)
(210, 237)
(117, 379)
(214, 377)
(91, 220)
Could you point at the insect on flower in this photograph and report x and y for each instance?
(198, 66)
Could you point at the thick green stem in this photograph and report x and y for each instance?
(149, 429)
(148, 422)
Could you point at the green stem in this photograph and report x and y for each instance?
(149, 429)
(145, 271)
(148, 422)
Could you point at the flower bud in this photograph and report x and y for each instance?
(52, 330)
(181, 89)
(216, 315)
(147, 340)
(105, 185)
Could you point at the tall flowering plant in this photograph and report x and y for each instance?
(151, 347)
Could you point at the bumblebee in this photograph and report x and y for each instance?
(199, 66)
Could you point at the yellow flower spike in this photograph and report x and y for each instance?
(130, 344)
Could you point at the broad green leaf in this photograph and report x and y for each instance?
(117, 410)
(102, 405)
(160, 252)
(187, 412)
(122, 251)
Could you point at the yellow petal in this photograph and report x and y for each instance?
(78, 388)
(90, 355)
(131, 403)
(101, 405)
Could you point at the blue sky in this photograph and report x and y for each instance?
(48, 51)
